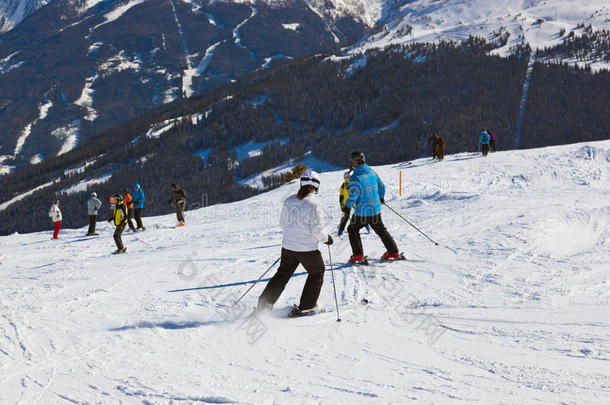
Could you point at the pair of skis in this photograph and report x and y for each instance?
(366, 262)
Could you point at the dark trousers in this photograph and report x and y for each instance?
(344, 220)
(129, 221)
(138, 214)
(92, 222)
(484, 149)
(180, 210)
(376, 223)
(313, 263)
(492, 145)
(117, 236)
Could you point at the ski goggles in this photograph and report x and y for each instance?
(306, 181)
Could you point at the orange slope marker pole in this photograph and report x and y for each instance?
(400, 183)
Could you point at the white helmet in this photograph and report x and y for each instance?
(94, 194)
(310, 178)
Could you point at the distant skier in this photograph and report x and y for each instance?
(492, 142)
(484, 141)
(138, 199)
(432, 139)
(93, 205)
(129, 205)
(119, 219)
(343, 195)
(55, 215)
(179, 196)
(366, 194)
(302, 222)
(437, 144)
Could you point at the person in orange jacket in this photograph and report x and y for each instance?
(129, 204)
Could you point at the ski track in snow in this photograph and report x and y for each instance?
(237, 37)
(526, 86)
(512, 308)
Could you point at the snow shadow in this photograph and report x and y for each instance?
(169, 325)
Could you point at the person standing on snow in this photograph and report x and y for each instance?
(179, 196)
(128, 201)
(55, 215)
(432, 142)
(93, 205)
(138, 199)
(119, 219)
(492, 142)
(343, 195)
(440, 147)
(302, 222)
(366, 194)
(484, 141)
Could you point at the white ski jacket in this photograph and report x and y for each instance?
(303, 224)
(93, 205)
(55, 213)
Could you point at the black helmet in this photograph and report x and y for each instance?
(357, 158)
(118, 198)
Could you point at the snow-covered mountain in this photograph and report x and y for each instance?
(76, 68)
(511, 308)
(12, 12)
(510, 23)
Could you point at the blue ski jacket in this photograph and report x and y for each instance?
(365, 191)
(484, 138)
(137, 197)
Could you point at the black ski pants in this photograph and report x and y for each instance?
(129, 216)
(376, 223)
(138, 214)
(484, 149)
(290, 260)
(92, 222)
(344, 220)
(492, 145)
(117, 236)
(180, 210)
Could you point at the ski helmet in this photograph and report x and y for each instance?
(357, 158)
(94, 194)
(119, 199)
(346, 175)
(310, 178)
(136, 186)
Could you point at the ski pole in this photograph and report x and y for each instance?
(407, 221)
(332, 273)
(259, 279)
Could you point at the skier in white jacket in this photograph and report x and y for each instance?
(302, 222)
(55, 215)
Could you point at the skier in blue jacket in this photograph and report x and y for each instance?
(484, 140)
(366, 192)
(138, 198)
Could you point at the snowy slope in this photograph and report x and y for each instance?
(536, 22)
(512, 308)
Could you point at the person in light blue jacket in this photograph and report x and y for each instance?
(138, 198)
(484, 140)
(366, 193)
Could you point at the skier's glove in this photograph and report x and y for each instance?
(382, 200)
(329, 241)
(346, 210)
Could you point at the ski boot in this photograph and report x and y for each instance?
(390, 257)
(358, 259)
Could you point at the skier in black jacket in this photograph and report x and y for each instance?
(179, 196)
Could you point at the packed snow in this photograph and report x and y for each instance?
(117, 12)
(512, 307)
(69, 135)
(84, 184)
